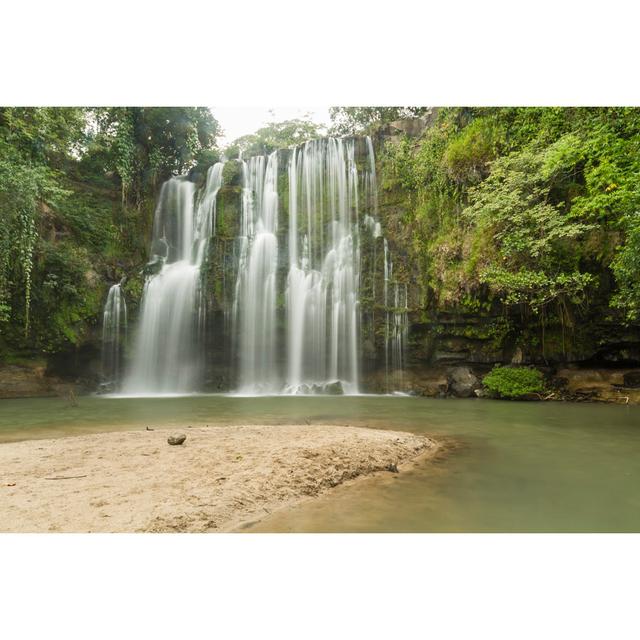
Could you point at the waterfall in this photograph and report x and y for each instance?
(167, 356)
(114, 332)
(398, 334)
(396, 326)
(317, 269)
(307, 217)
(323, 279)
(255, 302)
(388, 270)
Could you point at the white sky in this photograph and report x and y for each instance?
(239, 121)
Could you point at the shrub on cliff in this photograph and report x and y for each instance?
(513, 382)
(626, 267)
(468, 154)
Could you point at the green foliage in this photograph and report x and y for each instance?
(133, 288)
(528, 241)
(563, 157)
(468, 154)
(68, 296)
(43, 134)
(417, 167)
(275, 135)
(22, 186)
(524, 206)
(232, 173)
(204, 158)
(626, 267)
(536, 289)
(514, 382)
(89, 216)
(351, 120)
(146, 145)
(124, 149)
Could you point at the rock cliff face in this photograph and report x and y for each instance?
(586, 358)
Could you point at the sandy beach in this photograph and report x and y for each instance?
(223, 478)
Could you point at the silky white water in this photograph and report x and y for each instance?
(167, 357)
(397, 337)
(114, 332)
(324, 268)
(255, 300)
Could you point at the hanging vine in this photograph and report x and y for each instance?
(125, 148)
(26, 243)
(5, 308)
(19, 189)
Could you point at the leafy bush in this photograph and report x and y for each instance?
(23, 186)
(626, 267)
(67, 298)
(513, 382)
(468, 154)
(89, 217)
(529, 255)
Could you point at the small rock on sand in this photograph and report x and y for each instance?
(179, 439)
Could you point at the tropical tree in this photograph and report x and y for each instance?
(350, 120)
(275, 135)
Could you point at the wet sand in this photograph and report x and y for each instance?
(223, 478)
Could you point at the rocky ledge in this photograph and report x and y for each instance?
(32, 381)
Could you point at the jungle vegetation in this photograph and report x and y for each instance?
(534, 209)
(77, 187)
(537, 209)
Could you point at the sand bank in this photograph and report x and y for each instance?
(221, 479)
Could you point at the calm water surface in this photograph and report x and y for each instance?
(516, 467)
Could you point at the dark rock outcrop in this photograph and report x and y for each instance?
(333, 388)
(32, 381)
(631, 379)
(463, 382)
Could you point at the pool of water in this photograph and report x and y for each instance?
(515, 466)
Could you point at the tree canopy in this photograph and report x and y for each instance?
(351, 120)
(275, 135)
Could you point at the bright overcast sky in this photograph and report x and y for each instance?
(239, 121)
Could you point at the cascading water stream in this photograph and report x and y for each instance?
(398, 334)
(388, 270)
(323, 279)
(167, 354)
(396, 329)
(255, 302)
(114, 333)
(321, 338)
